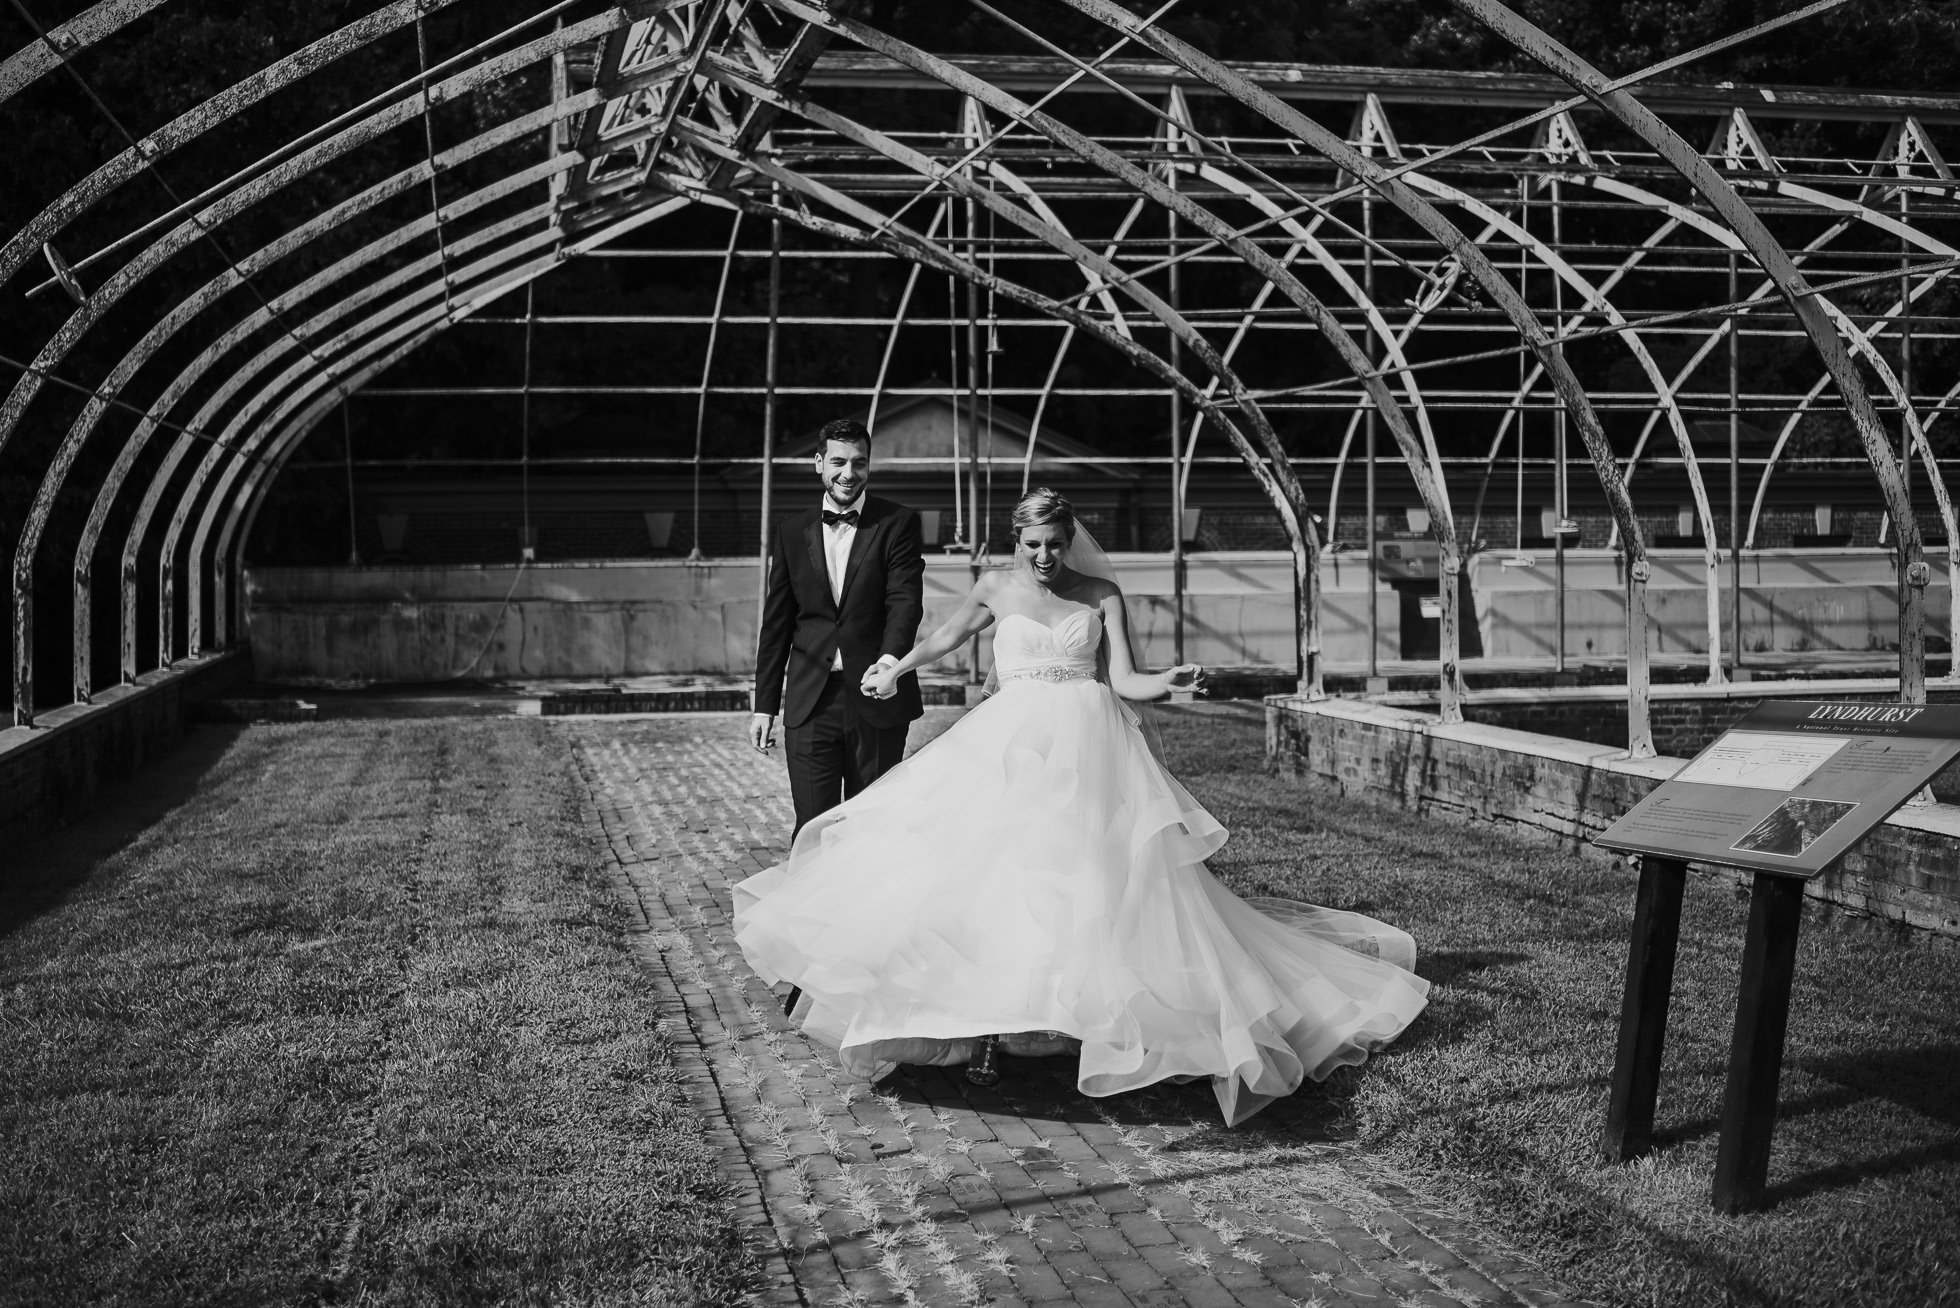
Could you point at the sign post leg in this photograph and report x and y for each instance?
(1756, 1056)
(1643, 1011)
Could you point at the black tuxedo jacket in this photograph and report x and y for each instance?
(803, 628)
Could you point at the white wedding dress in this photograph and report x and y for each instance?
(1036, 872)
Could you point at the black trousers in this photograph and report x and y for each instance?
(834, 754)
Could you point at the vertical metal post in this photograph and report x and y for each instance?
(83, 660)
(23, 650)
(126, 589)
(1735, 474)
(1561, 506)
(769, 357)
(527, 551)
(978, 539)
(1905, 342)
(1371, 345)
(1177, 425)
(347, 448)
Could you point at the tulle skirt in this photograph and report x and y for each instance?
(1036, 872)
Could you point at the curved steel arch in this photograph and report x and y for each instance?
(1598, 303)
(1774, 261)
(283, 173)
(195, 122)
(261, 471)
(1681, 214)
(185, 233)
(267, 314)
(1332, 330)
(92, 412)
(689, 138)
(1332, 147)
(1068, 337)
(40, 57)
(1844, 330)
(897, 240)
(192, 374)
(898, 321)
(1280, 476)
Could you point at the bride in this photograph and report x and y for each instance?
(1036, 876)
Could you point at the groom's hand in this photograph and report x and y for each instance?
(762, 732)
(879, 681)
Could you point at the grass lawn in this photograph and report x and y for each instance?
(337, 1013)
(1495, 1098)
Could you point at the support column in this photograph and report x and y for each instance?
(1735, 475)
(1643, 1009)
(1177, 425)
(1769, 958)
(977, 529)
(1640, 731)
(1372, 346)
(84, 663)
(1561, 506)
(769, 361)
(347, 453)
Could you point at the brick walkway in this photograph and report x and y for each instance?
(926, 1189)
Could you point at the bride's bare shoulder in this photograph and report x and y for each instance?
(988, 584)
(1098, 590)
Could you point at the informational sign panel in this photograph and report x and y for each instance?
(1793, 785)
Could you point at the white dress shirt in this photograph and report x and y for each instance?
(837, 538)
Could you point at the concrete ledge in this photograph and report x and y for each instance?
(51, 773)
(1568, 790)
(1683, 717)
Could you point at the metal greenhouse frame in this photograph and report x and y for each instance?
(1423, 271)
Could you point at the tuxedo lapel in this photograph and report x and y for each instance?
(868, 523)
(813, 540)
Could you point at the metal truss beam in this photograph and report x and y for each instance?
(679, 110)
(1776, 263)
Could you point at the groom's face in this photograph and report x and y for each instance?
(845, 468)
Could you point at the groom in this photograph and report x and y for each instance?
(846, 592)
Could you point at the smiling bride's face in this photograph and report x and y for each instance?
(1040, 548)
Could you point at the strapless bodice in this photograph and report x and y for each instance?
(1025, 648)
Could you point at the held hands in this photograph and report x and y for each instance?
(1186, 676)
(880, 681)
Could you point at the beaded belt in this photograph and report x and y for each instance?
(1050, 672)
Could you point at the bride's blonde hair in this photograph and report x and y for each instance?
(1042, 506)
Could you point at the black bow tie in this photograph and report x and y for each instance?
(848, 517)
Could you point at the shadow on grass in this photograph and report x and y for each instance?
(50, 868)
(1448, 966)
(1923, 1081)
(1848, 1174)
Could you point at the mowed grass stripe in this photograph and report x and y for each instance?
(350, 1017)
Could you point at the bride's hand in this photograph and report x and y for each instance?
(879, 682)
(1187, 676)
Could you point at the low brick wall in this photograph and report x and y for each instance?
(51, 773)
(1568, 790)
(1683, 718)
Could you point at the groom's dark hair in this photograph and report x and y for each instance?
(848, 430)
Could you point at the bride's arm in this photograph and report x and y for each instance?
(973, 616)
(1124, 676)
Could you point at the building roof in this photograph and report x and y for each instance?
(918, 435)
